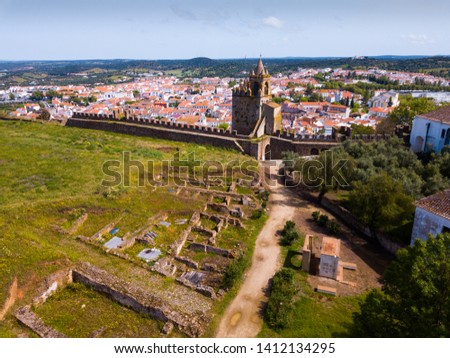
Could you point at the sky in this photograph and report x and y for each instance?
(182, 29)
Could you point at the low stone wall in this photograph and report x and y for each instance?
(202, 289)
(137, 299)
(211, 249)
(187, 262)
(27, 317)
(220, 208)
(77, 224)
(178, 244)
(51, 284)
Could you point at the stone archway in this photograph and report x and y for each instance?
(267, 153)
(314, 151)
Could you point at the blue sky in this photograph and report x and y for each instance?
(156, 29)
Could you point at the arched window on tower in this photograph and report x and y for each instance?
(266, 88)
(255, 88)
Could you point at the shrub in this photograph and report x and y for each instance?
(233, 272)
(288, 226)
(256, 214)
(323, 220)
(289, 233)
(315, 215)
(279, 307)
(335, 228)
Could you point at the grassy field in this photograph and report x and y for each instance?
(51, 175)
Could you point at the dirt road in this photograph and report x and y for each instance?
(242, 318)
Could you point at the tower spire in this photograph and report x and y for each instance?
(260, 68)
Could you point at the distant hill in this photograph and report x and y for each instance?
(60, 72)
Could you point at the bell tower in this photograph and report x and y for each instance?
(249, 99)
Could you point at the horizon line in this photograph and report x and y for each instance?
(222, 58)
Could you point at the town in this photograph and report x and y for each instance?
(273, 172)
(307, 106)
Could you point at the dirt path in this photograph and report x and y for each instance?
(242, 318)
(12, 295)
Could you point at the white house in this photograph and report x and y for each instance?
(431, 131)
(385, 100)
(432, 216)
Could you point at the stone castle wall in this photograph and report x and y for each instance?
(277, 144)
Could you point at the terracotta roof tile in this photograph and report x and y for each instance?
(438, 204)
(441, 115)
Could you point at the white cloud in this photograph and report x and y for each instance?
(420, 39)
(273, 22)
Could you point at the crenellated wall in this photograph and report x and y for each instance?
(259, 149)
(158, 123)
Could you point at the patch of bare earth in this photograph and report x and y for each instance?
(12, 296)
(370, 259)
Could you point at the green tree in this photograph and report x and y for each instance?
(309, 89)
(381, 202)
(11, 96)
(50, 94)
(136, 94)
(232, 83)
(415, 298)
(404, 114)
(358, 129)
(224, 126)
(44, 115)
(37, 96)
(409, 108)
(366, 96)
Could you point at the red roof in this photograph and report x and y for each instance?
(438, 204)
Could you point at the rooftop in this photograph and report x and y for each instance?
(441, 115)
(438, 203)
(331, 246)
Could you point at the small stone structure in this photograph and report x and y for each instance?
(321, 256)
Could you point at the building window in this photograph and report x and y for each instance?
(445, 229)
(443, 133)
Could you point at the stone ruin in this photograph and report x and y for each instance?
(128, 295)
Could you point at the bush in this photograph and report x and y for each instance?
(289, 233)
(315, 215)
(233, 272)
(323, 220)
(256, 214)
(279, 307)
(288, 226)
(335, 228)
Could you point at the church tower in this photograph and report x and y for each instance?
(250, 101)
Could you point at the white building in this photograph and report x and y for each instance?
(431, 131)
(432, 216)
(385, 100)
(329, 257)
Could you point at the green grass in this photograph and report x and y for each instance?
(316, 315)
(50, 174)
(244, 190)
(78, 311)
